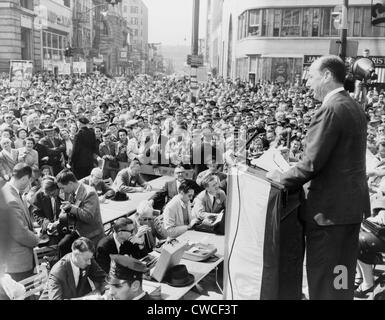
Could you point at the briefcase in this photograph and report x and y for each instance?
(170, 256)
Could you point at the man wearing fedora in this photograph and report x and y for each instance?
(55, 148)
(334, 171)
(125, 279)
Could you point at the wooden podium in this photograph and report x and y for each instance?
(264, 239)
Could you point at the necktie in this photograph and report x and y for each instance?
(213, 202)
(83, 287)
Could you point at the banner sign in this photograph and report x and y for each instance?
(79, 67)
(64, 68)
(20, 73)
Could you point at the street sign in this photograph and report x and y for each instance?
(20, 73)
(195, 61)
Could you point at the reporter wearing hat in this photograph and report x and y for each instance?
(84, 150)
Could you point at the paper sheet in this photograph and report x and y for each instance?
(272, 160)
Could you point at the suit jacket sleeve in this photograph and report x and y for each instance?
(198, 209)
(169, 222)
(322, 137)
(75, 150)
(54, 287)
(97, 275)
(37, 212)
(160, 195)
(103, 256)
(20, 232)
(85, 212)
(106, 188)
(119, 180)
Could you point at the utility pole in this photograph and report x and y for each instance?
(344, 29)
(195, 47)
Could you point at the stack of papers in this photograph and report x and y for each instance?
(272, 160)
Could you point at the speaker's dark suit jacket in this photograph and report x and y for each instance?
(336, 197)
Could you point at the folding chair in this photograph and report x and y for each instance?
(48, 255)
(35, 284)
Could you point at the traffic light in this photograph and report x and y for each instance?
(68, 52)
(113, 2)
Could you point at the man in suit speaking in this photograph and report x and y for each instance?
(336, 197)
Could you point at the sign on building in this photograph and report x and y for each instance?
(378, 12)
(79, 67)
(64, 68)
(195, 60)
(309, 59)
(20, 73)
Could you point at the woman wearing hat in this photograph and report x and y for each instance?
(8, 158)
(30, 156)
(20, 140)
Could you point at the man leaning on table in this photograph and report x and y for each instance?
(130, 179)
(77, 274)
(96, 181)
(177, 213)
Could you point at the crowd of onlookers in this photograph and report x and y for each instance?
(65, 136)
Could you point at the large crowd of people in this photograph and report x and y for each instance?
(63, 137)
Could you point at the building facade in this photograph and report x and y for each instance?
(19, 39)
(277, 40)
(136, 14)
(54, 19)
(110, 40)
(82, 22)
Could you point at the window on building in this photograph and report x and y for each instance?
(357, 22)
(264, 23)
(290, 22)
(125, 9)
(307, 22)
(134, 9)
(253, 28)
(277, 22)
(327, 26)
(53, 46)
(28, 4)
(367, 22)
(67, 3)
(135, 32)
(316, 22)
(134, 21)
